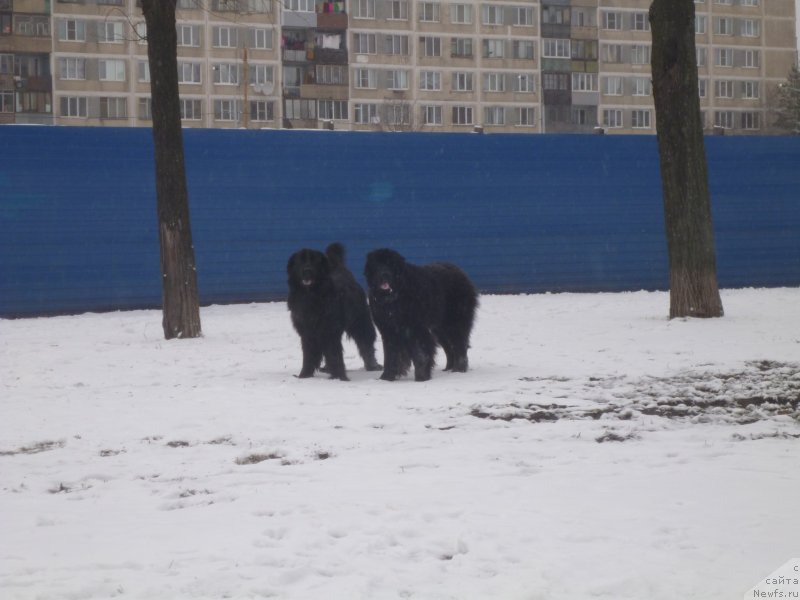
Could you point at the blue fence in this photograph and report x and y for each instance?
(520, 213)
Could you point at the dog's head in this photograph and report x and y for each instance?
(384, 271)
(307, 269)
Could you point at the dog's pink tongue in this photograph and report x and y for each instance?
(386, 287)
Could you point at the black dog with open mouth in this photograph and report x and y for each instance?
(326, 301)
(417, 308)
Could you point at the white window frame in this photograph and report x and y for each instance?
(641, 119)
(188, 35)
(397, 79)
(224, 36)
(188, 112)
(398, 10)
(72, 68)
(431, 46)
(113, 107)
(226, 74)
(365, 43)
(190, 73)
(494, 115)
(584, 82)
(612, 118)
(432, 115)
(72, 30)
(751, 90)
(430, 81)
(612, 20)
(365, 113)
(556, 48)
(429, 12)
(363, 9)
(462, 115)
(641, 21)
(723, 57)
(641, 86)
(723, 88)
(227, 110)
(529, 118)
(462, 81)
(77, 107)
(494, 48)
(523, 83)
(366, 79)
(612, 85)
(111, 69)
(492, 14)
(640, 54)
(461, 14)
(494, 82)
(335, 110)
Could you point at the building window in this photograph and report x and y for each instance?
(432, 115)
(398, 114)
(492, 14)
(640, 119)
(111, 70)
(113, 108)
(223, 37)
(700, 24)
(494, 115)
(524, 116)
(640, 55)
(752, 59)
(751, 120)
(226, 74)
(522, 16)
(494, 82)
(262, 110)
(398, 10)
(723, 57)
(72, 68)
(723, 26)
(750, 90)
(462, 115)
(701, 56)
(723, 118)
(6, 101)
(641, 22)
(366, 79)
(300, 109)
(71, 30)
(226, 109)
(396, 45)
(556, 48)
(584, 17)
(494, 48)
(461, 14)
(702, 86)
(462, 82)
(261, 75)
(612, 118)
(751, 28)
(31, 25)
(397, 80)
(140, 32)
(431, 46)
(723, 88)
(331, 75)
(523, 82)
(641, 86)
(332, 109)
(363, 9)
(612, 53)
(301, 5)
(522, 49)
(189, 73)
(584, 49)
(749, 2)
(143, 71)
(429, 12)
(612, 20)
(430, 81)
(110, 32)
(364, 43)
(612, 86)
(555, 15)
(145, 108)
(584, 82)
(260, 39)
(74, 107)
(365, 114)
(461, 47)
(555, 81)
(189, 35)
(191, 110)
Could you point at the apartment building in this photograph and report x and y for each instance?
(524, 66)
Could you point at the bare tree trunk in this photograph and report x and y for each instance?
(693, 285)
(179, 276)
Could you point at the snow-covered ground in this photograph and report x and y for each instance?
(595, 449)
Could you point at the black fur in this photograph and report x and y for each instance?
(326, 301)
(417, 308)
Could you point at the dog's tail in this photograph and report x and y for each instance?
(335, 254)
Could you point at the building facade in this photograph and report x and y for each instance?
(523, 66)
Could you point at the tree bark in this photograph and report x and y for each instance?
(181, 312)
(694, 290)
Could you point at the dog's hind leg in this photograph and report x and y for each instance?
(334, 360)
(363, 333)
(423, 349)
(312, 356)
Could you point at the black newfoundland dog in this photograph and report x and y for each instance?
(326, 301)
(417, 307)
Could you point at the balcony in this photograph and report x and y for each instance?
(332, 20)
